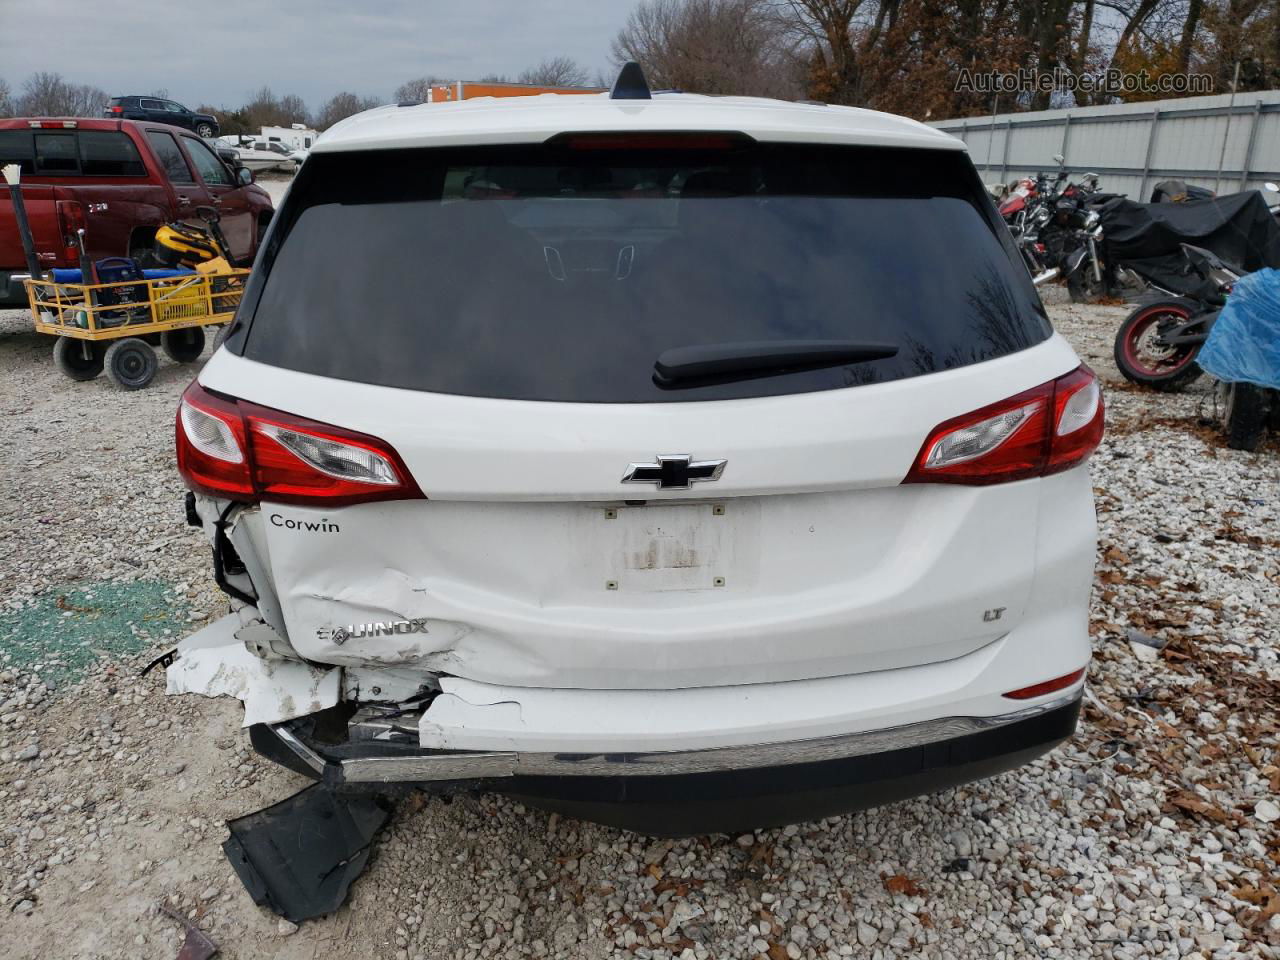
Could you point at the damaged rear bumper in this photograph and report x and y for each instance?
(727, 789)
(673, 762)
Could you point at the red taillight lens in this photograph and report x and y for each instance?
(1048, 686)
(1077, 419)
(1043, 430)
(117, 109)
(70, 220)
(240, 451)
(213, 454)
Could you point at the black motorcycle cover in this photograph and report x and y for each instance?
(1239, 228)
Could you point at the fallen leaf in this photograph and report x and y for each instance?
(1190, 803)
(901, 883)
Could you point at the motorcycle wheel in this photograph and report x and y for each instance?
(1080, 285)
(1143, 361)
(1246, 415)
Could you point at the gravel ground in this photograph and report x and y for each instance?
(1153, 834)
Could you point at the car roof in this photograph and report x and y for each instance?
(532, 119)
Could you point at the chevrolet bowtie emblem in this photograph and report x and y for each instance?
(674, 472)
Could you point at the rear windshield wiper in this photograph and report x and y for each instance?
(720, 361)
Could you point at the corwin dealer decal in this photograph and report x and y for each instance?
(383, 628)
(323, 525)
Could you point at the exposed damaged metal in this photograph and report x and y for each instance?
(300, 856)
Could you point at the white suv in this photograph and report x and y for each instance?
(680, 463)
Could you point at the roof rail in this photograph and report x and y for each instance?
(631, 84)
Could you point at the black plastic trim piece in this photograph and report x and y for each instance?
(226, 560)
(300, 856)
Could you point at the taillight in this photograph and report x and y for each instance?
(70, 220)
(235, 450)
(1044, 430)
(117, 109)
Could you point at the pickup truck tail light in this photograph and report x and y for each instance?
(70, 219)
(234, 450)
(1040, 431)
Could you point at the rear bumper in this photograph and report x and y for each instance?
(12, 291)
(724, 789)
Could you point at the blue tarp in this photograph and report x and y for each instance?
(1244, 344)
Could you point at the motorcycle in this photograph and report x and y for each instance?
(1157, 343)
(1057, 229)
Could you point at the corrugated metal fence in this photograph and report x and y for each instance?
(1207, 141)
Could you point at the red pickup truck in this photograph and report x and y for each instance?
(119, 180)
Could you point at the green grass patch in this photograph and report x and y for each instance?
(66, 631)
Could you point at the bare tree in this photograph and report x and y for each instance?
(555, 72)
(710, 46)
(495, 78)
(343, 105)
(48, 94)
(416, 89)
(6, 99)
(294, 109)
(265, 109)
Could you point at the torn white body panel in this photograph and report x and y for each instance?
(215, 662)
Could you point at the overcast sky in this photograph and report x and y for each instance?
(218, 52)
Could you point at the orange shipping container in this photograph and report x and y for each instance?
(468, 89)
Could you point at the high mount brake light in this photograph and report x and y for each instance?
(236, 450)
(1040, 431)
(651, 141)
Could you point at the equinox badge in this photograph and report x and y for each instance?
(676, 472)
(341, 635)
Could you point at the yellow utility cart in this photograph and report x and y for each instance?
(116, 326)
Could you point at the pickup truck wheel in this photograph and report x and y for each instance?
(183, 346)
(131, 363)
(204, 130)
(69, 356)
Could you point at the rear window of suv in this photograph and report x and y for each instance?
(550, 272)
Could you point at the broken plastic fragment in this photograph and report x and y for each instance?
(300, 856)
(214, 662)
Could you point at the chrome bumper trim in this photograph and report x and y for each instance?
(472, 765)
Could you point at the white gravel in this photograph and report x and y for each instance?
(1153, 834)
